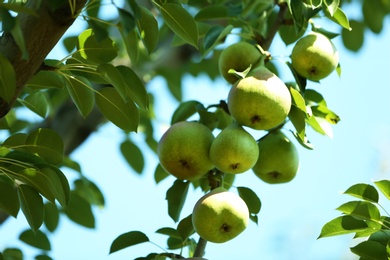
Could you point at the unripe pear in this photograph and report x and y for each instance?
(238, 56)
(183, 150)
(234, 150)
(278, 160)
(220, 216)
(261, 100)
(314, 56)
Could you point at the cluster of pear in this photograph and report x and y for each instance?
(260, 101)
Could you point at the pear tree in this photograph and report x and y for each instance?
(111, 60)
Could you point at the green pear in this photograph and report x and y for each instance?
(220, 216)
(183, 150)
(314, 56)
(238, 56)
(278, 159)
(234, 150)
(261, 100)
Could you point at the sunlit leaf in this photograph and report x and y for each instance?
(176, 196)
(114, 108)
(339, 17)
(363, 191)
(342, 225)
(384, 187)
(36, 239)
(128, 239)
(133, 155)
(95, 51)
(360, 210)
(31, 204)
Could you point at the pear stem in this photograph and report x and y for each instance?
(200, 247)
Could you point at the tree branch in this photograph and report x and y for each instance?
(41, 32)
(279, 20)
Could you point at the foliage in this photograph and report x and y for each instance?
(108, 69)
(363, 217)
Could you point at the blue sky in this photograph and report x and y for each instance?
(292, 214)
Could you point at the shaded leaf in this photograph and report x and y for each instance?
(12, 254)
(114, 108)
(114, 77)
(47, 144)
(89, 191)
(353, 39)
(82, 94)
(128, 20)
(160, 174)
(128, 239)
(342, 225)
(168, 231)
(9, 201)
(52, 216)
(95, 51)
(250, 198)
(180, 22)
(148, 29)
(176, 196)
(363, 191)
(184, 111)
(185, 227)
(370, 250)
(133, 155)
(31, 204)
(36, 239)
(7, 79)
(37, 103)
(79, 210)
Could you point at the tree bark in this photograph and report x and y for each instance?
(41, 33)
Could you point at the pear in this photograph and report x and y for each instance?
(183, 150)
(278, 160)
(220, 216)
(314, 56)
(261, 100)
(234, 150)
(238, 56)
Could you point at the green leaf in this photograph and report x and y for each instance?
(31, 204)
(353, 39)
(214, 36)
(250, 198)
(184, 111)
(99, 31)
(9, 201)
(326, 113)
(79, 210)
(331, 6)
(297, 11)
(361, 210)
(339, 17)
(176, 196)
(185, 228)
(168, 231)
(114, 108)
(128, 20)
(312, 95)
(46, 79)
(131, 42)
(89, 191)
(12, 254)
(384, 187)
(96, 51)
(36, 239)
(135, 88)
(370, 250)
(8, 21)
(47, 143)
(363, 191)
(18, 37)
(372, 228)
(160, 174)
(7, 79)
(82, 94)
(342, 225)
(43, 257)
(180, 22)
(297, 118)
(133, 155)
(114, 77)
(52, 216)
(36, 102)
(128, 239)
(374, 13)
(148, 29)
